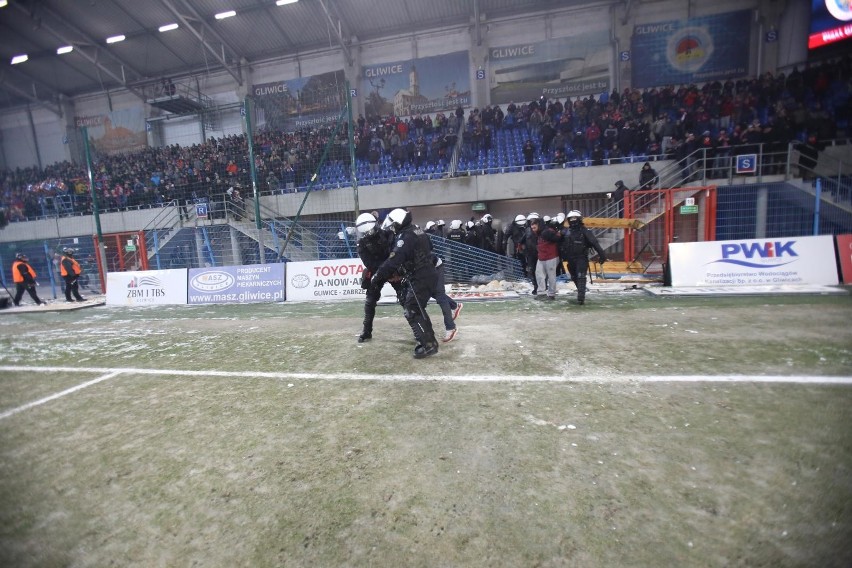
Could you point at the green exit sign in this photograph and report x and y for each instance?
(688, 209)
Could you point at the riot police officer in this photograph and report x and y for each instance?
(456, 233)
(373, 249)
(486, 233)
(515, 234)
(575, 245)
(411, 257)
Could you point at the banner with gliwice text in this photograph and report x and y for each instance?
(338, 279)
(236, 284)
(148, 288)
(754, 262)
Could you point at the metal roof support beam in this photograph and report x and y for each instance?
(32, 97)
(66, 24)
(93, 60)
(220, 57)
(476, 24)
(338, 33)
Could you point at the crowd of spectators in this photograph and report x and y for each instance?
(667, 122)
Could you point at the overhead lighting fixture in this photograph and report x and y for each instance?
(285, 2)
(64, 49)
(19, 59)
(4, 3)
(223, 15)
(115, 39)
(168, 27)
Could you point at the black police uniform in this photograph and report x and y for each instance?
(373, 248)
(531, 255)
(456, 235)
(574, 247)
(411, 258)
(486, 236)
(516, 234)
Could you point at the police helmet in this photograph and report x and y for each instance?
(546, 219)
(487, 218)
(469, 225)
(399, 219)
(575, 217)
(455, 225)
(430, 224)
(365, 223)
(560, 218)
(440, 223)
(21, 256)
(533, 215)
(520, 219)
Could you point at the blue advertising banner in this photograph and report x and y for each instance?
(236, 284)
(417, 86)
(562, 67)
(303, 102)
(691, 51)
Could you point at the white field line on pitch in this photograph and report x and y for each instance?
(795, 379)
(41, 401)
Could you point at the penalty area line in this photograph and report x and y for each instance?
(789, 379)
(41, 401)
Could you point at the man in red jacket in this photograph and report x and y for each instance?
(548, 258)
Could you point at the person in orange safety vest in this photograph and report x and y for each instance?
(24, 277)
(70, 271)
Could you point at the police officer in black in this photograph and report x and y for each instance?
(487, 235)
(575, 247)
(456, 233)
(515, 234)
(531, 251)
(373, 247)
(411, 257)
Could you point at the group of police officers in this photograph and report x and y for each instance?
(400, 252)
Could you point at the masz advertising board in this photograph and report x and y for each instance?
(149, 288)
(338, 279)
(236, 284)
(754, 262)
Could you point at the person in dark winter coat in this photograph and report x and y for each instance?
(618, 197)
(647, 176)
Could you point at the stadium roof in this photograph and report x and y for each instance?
(261, 30)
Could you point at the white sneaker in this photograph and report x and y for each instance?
(450, 335)
(457, 311)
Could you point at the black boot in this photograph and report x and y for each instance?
(421, 351)
(581, 291)
(369, 314)
(426, 343)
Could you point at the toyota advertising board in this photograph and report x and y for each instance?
(338, 279)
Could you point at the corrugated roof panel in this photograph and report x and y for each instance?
(260, 31)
